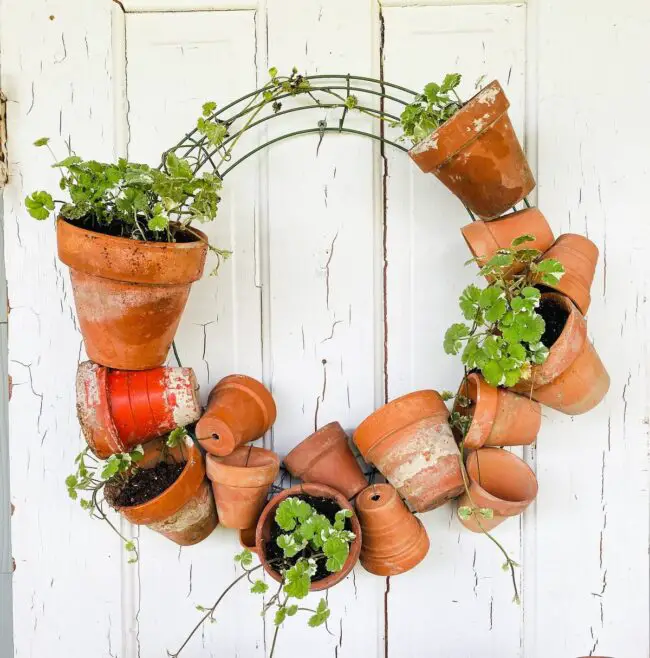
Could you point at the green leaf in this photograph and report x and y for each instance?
(493, 373)
(298, 579)
(158, 223)
(71, 481)
(292, 510)
(289, 545)
(39, 205)
(321, 615)
(74, 212)
(42, 141)
(469, 301)
(245, 558)
(129, 546)
(291, 610)
(464, 513)
(339, 518)
(486, 512)
(446, 395)
(351, 102)
(551, 271)
(454, 336)
(451, 81)
(177, 167)
(528, 237)
(280, 616)
(176, 437)
(208, 108)
(111, 467)
(259, 587)
(337, 551)
(273, 72)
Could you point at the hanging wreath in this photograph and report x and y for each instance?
(128, 235)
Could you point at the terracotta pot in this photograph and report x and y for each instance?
(499, 416)
(129, 294)
(484, 239)
(573, 379)
(263, 531)
(411, 443)
(394, 541)
(240, 482)
(579, 256)
(477, 155)
(185, 512)
(240, 409)
(247, 539)
(325, 457)
(118, 409)
(500, 481)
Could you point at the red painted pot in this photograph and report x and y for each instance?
(325, 457)
(263, 532)
(240, 409)
(409, 440)
(477, 155)
(119, 409)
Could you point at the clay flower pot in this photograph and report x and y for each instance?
(118, 409)
(240, 409)
(325, 457)
(500, 481)
(184, 512)
(394, 541)
(579, 256)
(263, 532)
(247, 539)
(477, 155)
(412, 445)
(129, 294)
(484, 239)
(240, 482)
(573, 379)
(499, 416)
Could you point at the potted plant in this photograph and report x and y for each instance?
(119, 409)
(410, 442)
(393, 539)
(240, 482)
(325, 457)
(126, 235)
(470, 147)
(240, 409)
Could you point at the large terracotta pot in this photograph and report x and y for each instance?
(579, 256)
(477, 155)
(394, 541)
(484, 239)
(500, 481)
(240, 409)
(325, 457)
(573, 379)
(240, 482)
(118, 409)
(185, 512)
(410, 442)
(129, 294)
(499, 416)
(263, 531)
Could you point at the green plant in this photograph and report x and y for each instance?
(309, 539)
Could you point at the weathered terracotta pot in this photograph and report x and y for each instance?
(263, 531)
(247, 539)
(500, 481)
(573, 379)
(579, 256)
(240, 409)
(394, 541)
(240, 482)
(129, 294)
(477, 155)
(484, 239)
(185, 512)
(325, 457)
(118, 409)
(412, 445)
(499, 416)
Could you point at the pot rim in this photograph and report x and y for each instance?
(485, 398)
(319, 491)
(321, 442)
(258, 475)
(252, 387)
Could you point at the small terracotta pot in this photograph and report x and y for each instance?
(240, 409)
(263, 531)
(185, 512)
(118, 409)
(247, 539)
(412, 445)
(240, 482)
(477, 155)
(394, 541)
(325, 457)
(499, 416)
(129, 294)
(579, 256)
(573, 379)
(484, 239)
(500, 481)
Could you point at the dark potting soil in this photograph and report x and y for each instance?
(325, 506)
(146, 484)
(119, 230)
(555, 318)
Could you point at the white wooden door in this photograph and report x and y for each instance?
(346, 269)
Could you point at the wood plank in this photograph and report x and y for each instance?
(160, 6)
(461, 578)
(592, 560)
(199, 57)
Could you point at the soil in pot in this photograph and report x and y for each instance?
(555, 318)
(325, 506)
(147, 483)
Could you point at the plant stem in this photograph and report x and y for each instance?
(275, 638)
